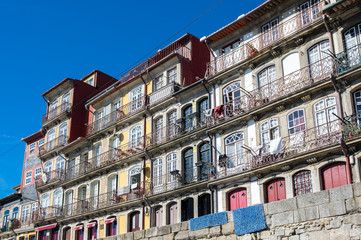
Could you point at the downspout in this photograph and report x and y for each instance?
(347, 156)
(329, 32)
(213, 159)
(209, 93)
(144, 145)
(209, 49)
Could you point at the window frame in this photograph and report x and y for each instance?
(32, 148)
(172, 78)
(28, 177)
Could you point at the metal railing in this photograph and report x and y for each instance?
(118, 114)
(351, 126)
(282, 87)
(291, 146)
(24, 221)
(53, 144)
(52, 114)
(163, 135)
(51, 176)
(128, 193)
(162, 93)
(266, 39)
(348, 59)
(48, 212)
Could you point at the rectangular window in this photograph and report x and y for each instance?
(34, 207)
(158, 83)
(172, 75)
(41, 142)
(37, 172)
(31, 149)
(28, 177)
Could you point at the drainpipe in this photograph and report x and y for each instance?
(209, 93)
(329, 32)
(213, 156)
(333, 80)
(209, 49)
(347, 156)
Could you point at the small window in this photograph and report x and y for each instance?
(31, 149)
(28, 176)
(172, 75)
(37, 172)
(270, 130)
(90, 81)
(34, 207)
(41, 142)
(158, 83)
(226, 49)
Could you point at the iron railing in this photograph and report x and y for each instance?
(47, 212)
(351, 126)
(348, 59)
(281, 87)
(51, 176)
(118, 114)
(163, 135)
(266, 39)
(24, 221)
(53, 144)
(52, 114)
(162, 93)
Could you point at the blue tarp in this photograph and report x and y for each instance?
(210, 220)
(248, 220)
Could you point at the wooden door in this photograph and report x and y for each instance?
(134, 222)
(158, 216)
(276, 190)
(173, 208)
(238, 199)
(334, 175)
(204, 203)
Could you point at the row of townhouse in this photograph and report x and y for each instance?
(264, 109)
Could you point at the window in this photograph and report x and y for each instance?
(135, 176)
(172, 116)
(229, 47)
(28, 176)
(232, 96)
(205, 158)
(188, 165)
(63, 132)
(357, 102)
(296, 127)
(172, 75)
(45, 203)
(188, 120)
(48, 167)
(90, 81)
(270, 131)
(6, 218)
(53, 109)
(25, 211)
(234, 150)
(324, 116)
(158, 83)
(157, 172)
(302, 183)
(203, 106)
(316, 54)
(41, 142)
(135, 137)
(31, 149)
(37, 172)
(116, 105)
(34, 207)
(171, 166)
(15, 212)
(270, 32)
(50, 140)
(57, 199)
(112, 183)
(265, 79)
(310, 11)
(136, 98)
(97, 153)
(352, 39)
(66, 101)
(134, 221)
(158, 128)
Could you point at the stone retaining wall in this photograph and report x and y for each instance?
(330, 214)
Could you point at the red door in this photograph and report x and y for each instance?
(334, 175)
(173, 213)
(238, 199)
(134, 222)
(158, 216)
(276, 190)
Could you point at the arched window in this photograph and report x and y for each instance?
(352, 39)
(6, 218)
(48, 167)
(44, 201)
(234, 150)
(134, 175)
(60, 164)
(63, 133)
(317, 55)
(51, 136)
(57, 199)
(188, 165)
(94, 194)
(135, 137)
(134, 220)
(158, 216)
(325, 111)
(171, 166)
(65, 102)
(302, 183)
(296, 127)
(232, 93)
(270, 130)
(158, 130)
(203, 106)
(265, 79)
(136, 98)
(188, 120)
(205, 158)
(53, 109)
(15, 212)
(187, 209)
(157, 173)
(172, 213)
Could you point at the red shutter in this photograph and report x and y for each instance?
(276, 190)
(237, 199)
(334, 175)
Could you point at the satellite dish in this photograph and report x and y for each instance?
(44, 178)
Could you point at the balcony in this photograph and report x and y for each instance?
(24, 221)
(53, 144)
(265, 40)
(49, 177)
(109, 199)
(349, 59)
(273, 91)
(117, 115)
(54, 113)
(47, 213)
(105, 159)
(163, 135)
(351, 127)
(290, 147)
(177, 179)
(174, 48)
(162, 93)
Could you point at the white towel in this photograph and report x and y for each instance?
(134, 186)
(275, 146)
(124, 190)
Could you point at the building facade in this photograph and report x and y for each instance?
(264, 109)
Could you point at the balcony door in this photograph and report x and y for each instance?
(171, 167)
(188, 165)
(69, 203)
(310, 11)
(50, 140)
(320, 63)
(57, 202)
(158, 128)
(296, 128)
(136, 98)
(266, 83)
(158, 174)
(53, 109)
(94, 195)
(352, 40)
(97, 156)
(234, 150)
(45, 204)
(357, 104)
(188, 120)
(65, 102)
(232, 97)
(270, 32)
(63, 133)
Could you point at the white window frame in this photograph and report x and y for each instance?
(32, 147)
(28, 176)
(37, 172)
(172, 75)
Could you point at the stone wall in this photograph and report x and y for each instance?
(330, 214)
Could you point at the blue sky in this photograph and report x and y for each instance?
(43, 42)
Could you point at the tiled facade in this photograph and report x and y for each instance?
(264, 109)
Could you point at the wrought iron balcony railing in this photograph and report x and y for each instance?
(48, 177)
(52, 114)
(24, 221)
(53, 144)
(351, 126)
(105, 159)
(351, 58)
(267, 39)
(163, 135)
(282, 87)
(302, 142)
(117, 115)
(128, 193)
(162, 93)
(47, 212)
